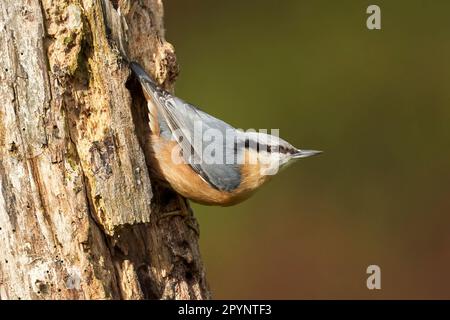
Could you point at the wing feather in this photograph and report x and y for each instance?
(183, 121)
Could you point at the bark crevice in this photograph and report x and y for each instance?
(79, 207)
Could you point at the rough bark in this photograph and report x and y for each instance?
(80, 216)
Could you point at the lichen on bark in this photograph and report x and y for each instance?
(79, 210)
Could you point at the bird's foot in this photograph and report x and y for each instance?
(185, 212)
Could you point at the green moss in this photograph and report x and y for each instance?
(69, 39)
(72, 157)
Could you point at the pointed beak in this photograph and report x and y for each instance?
(305, 153)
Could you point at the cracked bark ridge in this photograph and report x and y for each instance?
(79, 211)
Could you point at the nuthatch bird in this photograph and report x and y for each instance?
(224, 172)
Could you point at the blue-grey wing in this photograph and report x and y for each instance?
(214, 160)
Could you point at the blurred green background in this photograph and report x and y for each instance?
(377, 103)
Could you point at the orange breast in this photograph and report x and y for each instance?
(184, 180)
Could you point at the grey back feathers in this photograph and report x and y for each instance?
(180, 121)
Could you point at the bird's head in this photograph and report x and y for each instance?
(272, 153)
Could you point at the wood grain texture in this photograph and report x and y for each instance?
(80, 215)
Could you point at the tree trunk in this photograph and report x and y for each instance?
(80, 216)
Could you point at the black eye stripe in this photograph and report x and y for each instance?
(258, 146)
(264, 147)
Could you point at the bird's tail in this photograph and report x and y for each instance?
(140, 73)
